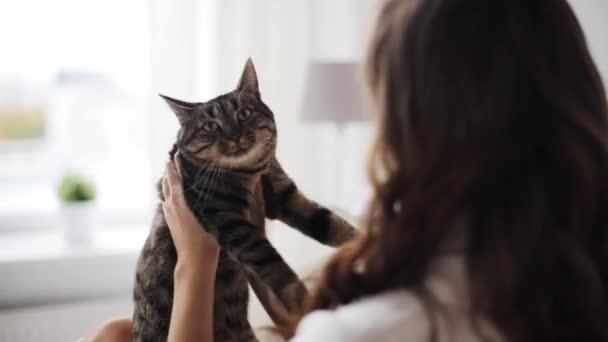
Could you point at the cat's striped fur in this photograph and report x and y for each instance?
(218, 179)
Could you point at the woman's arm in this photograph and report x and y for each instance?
(192, 315)
(197, 257)
(194, 276)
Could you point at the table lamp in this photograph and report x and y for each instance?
(333, 94)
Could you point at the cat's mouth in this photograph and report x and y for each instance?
(237, 151)
(240, 156)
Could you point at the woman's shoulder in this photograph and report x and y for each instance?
(390, 316)
(401, 315)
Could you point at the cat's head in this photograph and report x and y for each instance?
(235, 129)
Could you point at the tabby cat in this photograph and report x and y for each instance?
(225, 146)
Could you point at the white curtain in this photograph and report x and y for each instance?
(200, 47)
(282, 37)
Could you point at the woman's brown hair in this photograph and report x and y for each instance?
(491, 111)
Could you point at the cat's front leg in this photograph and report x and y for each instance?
(247, 244)
(274, 307)
(285, 202)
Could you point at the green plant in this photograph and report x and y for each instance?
(75, 188)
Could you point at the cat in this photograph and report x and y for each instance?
(225, 146)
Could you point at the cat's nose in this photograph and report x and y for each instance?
(239, 140)
(235, 139)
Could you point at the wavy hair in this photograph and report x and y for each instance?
(493, 111)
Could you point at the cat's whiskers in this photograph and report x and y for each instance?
(203, 178)
(206, 182)
(195, 182)
(213, 181)
(203, 182)
(207, 187)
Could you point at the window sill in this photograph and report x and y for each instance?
(41, 268)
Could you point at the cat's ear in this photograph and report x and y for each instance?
(182, 109)
(249, 79)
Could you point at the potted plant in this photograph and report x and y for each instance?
(77, 195)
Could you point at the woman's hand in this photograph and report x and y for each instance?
(194, 278)
(193, 244)
(197, 258)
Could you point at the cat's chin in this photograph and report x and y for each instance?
(238, 152)
(244, 159)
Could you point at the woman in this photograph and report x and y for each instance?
(489, 220)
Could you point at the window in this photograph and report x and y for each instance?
(73, 80)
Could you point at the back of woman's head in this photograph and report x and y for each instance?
(491, 112)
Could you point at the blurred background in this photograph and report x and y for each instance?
(84, 136)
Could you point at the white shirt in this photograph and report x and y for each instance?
(399, 315)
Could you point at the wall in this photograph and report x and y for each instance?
(593, 15)
(282, 37)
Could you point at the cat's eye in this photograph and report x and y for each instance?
(244, 114)
(211, 126)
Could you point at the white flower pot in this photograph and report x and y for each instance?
(79, 221)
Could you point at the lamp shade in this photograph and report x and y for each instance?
(333, 94)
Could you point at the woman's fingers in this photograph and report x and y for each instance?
(172, 174)
(178, 163)
(165, 187)
(174, 180)
(190, 239)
